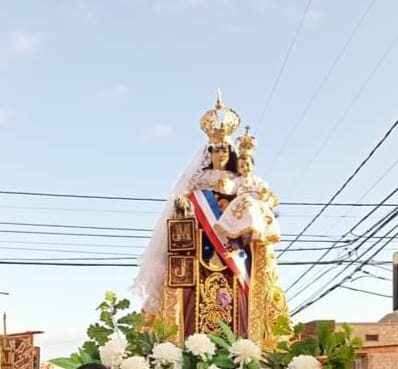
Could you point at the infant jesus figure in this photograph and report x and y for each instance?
(248, 217)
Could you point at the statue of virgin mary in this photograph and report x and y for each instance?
(189, 275)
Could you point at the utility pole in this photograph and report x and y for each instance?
(395, 282)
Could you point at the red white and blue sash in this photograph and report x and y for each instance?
(208, 212)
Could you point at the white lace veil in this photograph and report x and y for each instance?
(150, 278)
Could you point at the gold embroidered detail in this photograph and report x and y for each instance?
(257, 323)
(240, 207)
(215, 305)
(267, 302)
(169, 311)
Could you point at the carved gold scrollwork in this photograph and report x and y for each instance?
(216, 298)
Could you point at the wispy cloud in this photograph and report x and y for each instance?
(113, 92)
(23, 43)
(3, 116)
(159, 131)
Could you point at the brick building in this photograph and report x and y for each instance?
(380, 341)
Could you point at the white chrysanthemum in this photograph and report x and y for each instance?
(112, 353)
(167, 355)
(200, 345)
(304, 362)
(244, 351)
(135, 362)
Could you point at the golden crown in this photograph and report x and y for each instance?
(246, 143)
(219, 123)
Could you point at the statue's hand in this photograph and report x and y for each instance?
(182, 204)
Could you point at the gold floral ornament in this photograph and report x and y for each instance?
(219, 123)
(246, 143)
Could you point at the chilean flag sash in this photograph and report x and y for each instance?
(208, 212)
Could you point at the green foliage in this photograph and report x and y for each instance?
(139, 342)
(282, 326)
(226, 332)
(299, 329)
(338, 348)
(276, 360)
(222, 360)
(75, 360)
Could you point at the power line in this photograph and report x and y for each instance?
(365, 291)
(133, 257)
(330, 262)
(389, 196)
(76, 226)
(63, 251)
(324, 79)
(284, 63)
(383, 268)
(73, 244)
(86, 210)
(345, 184)
(112, 264)
(38, 263)
(77, 196)
(73, 234)
(340, 120)
(48, 194)
(378, 180)
(358, 268)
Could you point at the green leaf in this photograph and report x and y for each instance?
(64, 362)
(103, 306)
(132, 319)
(282, 326)
(223, 361)
(219, 341)
(356, 342)
(229, 334)
(91, 349)
(76, 359)
(122, 304)
(99, 333)
(299, 329)
(110, 297)
(309, 346)
(85, 357)
(255, 364)
(106, 317)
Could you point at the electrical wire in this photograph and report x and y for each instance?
(73, 234)
(365, 291)
(284, 63)
(340, 120)
(323, 273)
(319, 295)
(323, 81)
(97, 197)
(346, 183)
(76, 226)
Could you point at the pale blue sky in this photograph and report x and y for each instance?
(104, 98)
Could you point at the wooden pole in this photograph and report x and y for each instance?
(395, 282)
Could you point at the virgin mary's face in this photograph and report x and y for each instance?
(220, 157)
